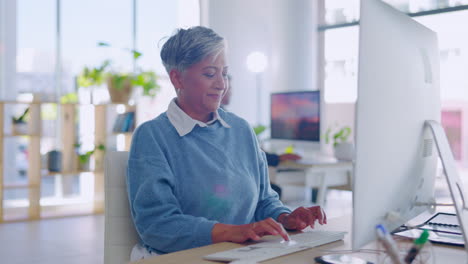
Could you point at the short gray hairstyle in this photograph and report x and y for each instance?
(190, 46)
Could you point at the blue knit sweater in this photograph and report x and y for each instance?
(180, 187)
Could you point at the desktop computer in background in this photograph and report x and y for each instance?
(398, 91)
(295, 120)
(296, 115)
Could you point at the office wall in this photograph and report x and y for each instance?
(7, 49)
(284, 30)
(8, 71)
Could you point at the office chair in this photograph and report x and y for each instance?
(120, 234)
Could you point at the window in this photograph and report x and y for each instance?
(84, 24)
(154, 25)
(341, 64)
(35, 46)
(446, 17)
(56, 40)
(341, 46)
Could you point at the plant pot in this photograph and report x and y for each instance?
(84, 166)
(344, 151)
(54, 161)
(20, 128)
(119, 95)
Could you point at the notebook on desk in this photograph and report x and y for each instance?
(443, 229)
(443, 222)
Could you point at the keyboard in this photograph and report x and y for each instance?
(271, 249)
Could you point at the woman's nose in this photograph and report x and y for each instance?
(221, 82)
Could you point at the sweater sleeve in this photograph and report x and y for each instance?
(155, 209)
(268, 204)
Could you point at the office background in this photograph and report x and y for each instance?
(309, 45)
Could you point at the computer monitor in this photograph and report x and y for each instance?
(295, 115)
(398, 90)
(295, 120)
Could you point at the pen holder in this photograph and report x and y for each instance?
(425, 255)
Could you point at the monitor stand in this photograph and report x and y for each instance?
(451, 174)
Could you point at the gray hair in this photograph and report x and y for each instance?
(190, 46)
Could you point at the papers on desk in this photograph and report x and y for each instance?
(435, 237)
(443, 222)
(443, 228)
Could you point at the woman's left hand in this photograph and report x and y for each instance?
(303, 217)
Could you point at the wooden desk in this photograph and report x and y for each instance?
(321, 175)
(442, 254)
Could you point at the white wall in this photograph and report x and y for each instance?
(284, 30)
(8, 74)
(7, 49)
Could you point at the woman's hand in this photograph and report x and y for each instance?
(242, 233)
(303, 217)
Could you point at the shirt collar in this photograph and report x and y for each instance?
(184, 124)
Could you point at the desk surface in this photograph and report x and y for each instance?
(442, 254)
(305, 165)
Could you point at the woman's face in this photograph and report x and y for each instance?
(201, 86)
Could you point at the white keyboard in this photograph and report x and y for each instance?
(278, 247)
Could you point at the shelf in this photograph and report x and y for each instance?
(122, 133)
(21, 135)
(27, 103)
(20, 186)
(57, 211)
(112, 104)
(48, 173)
(55, 102)
(39, 177)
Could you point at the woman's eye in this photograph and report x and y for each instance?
(209, 75)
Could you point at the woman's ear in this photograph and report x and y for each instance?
(176, 79)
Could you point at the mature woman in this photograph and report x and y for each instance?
(196, 174)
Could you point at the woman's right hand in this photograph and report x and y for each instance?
(242, 233)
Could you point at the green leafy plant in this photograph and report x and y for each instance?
(148, 81)
(69, 98)
(84, 158)
(259, 129)
(21, 118)
(338, 137)
(94, 76)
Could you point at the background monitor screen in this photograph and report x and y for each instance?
(295, 115)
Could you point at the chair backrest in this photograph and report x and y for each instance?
(119, 231)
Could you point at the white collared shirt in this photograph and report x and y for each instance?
(184, 124)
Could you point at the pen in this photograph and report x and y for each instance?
(417, 245)
(389, 244)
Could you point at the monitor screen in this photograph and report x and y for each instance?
(398, 90)
(295, 115)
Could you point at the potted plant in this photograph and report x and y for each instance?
(343, 149)
(20, 126)
(119, 84)
(85, 157)
(69, 98)
(259, 129)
